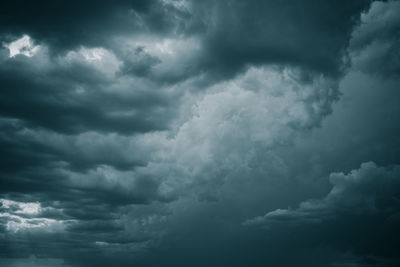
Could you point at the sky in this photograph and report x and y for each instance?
(200, 133)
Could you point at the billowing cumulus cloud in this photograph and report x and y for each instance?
(212, 133)
(367, 191)
(374, 45)
(257, 111)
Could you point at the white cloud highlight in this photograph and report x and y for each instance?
(23, 46)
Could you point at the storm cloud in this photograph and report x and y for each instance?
(199, 133)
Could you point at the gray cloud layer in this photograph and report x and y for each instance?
(146, 132)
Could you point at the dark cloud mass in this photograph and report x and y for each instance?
(199, 133)
(73, 23)
(312, 34)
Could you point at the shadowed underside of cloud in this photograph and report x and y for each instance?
(312, 34)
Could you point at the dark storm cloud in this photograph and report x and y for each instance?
(19, 141)
(74, 97)
(73, 23)
(367, 191)
(363, 126)
(146, 132)
(360, 213)
(71, 237)
(41, 165)
(375, 45)
(359, 217)
(233, 34)
(312, 34)
(366, 116)
(63, 185)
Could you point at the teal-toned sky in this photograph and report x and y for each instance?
(200, 133)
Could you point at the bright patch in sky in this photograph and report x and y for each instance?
(93, 54)
(25, 215)
(99, 58)
(23, 46)
(16, 223)
(24, 208)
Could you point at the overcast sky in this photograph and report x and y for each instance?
(190, 133)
